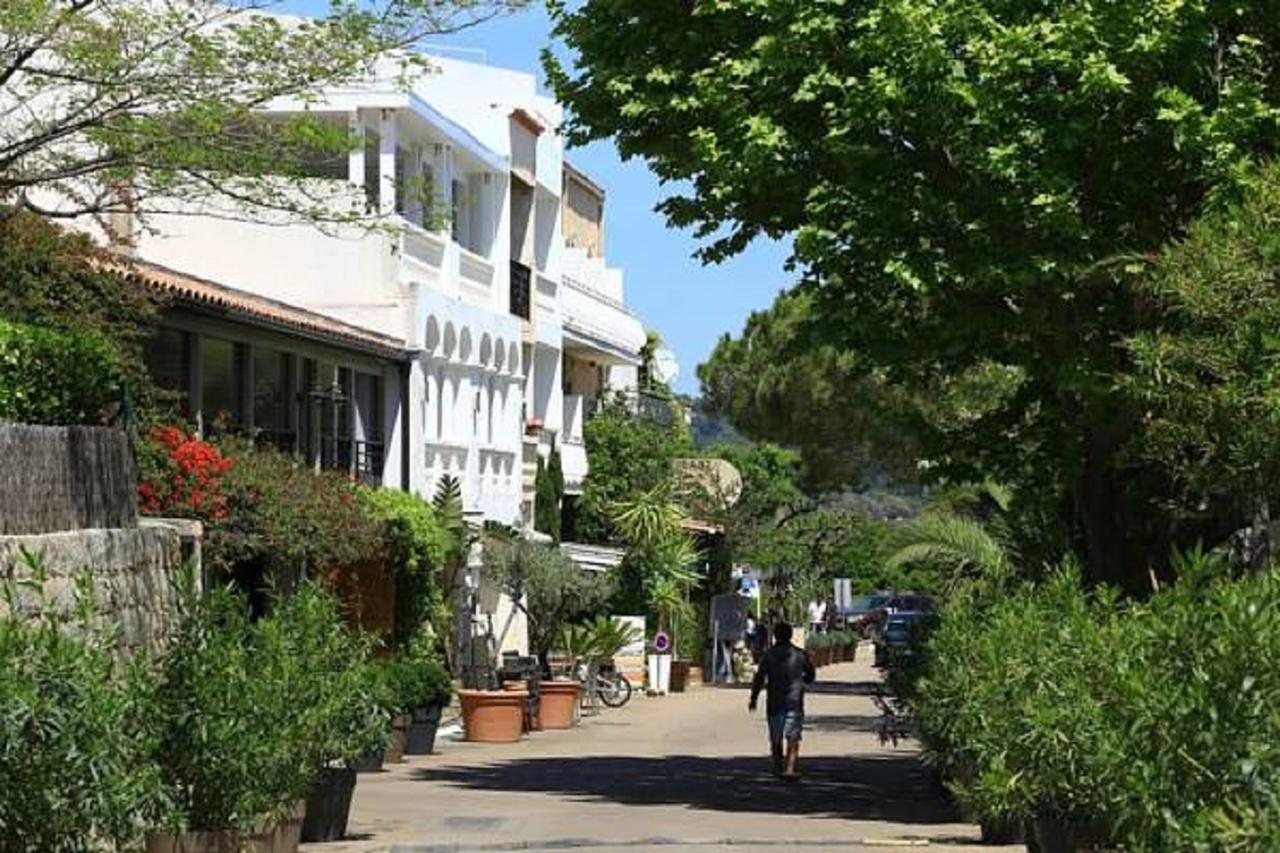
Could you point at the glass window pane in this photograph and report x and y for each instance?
(220, 401)
(165, 355)
(270, 398)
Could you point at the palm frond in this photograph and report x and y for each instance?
(963, 544)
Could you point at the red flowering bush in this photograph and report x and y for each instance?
(182, 476)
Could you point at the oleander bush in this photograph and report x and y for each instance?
(1153, 722)
(248, 713)
(72, 755)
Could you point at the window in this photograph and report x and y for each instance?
(220, 384)
(166, 357)
(368, 414)
(272, 399)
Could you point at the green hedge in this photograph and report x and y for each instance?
(47, 377)
(1154, 721)
(230, 724)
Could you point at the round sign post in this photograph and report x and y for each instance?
(660, 663)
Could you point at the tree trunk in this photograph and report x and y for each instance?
(1113, 551)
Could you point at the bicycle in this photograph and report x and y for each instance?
(611, 687)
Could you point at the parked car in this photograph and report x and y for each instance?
(896, 631)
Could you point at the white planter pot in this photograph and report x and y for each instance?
(660, 674)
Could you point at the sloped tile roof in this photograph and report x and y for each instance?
(202, 293)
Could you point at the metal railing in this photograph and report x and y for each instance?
(521, 290)
(641, 404)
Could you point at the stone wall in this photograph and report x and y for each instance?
(133, 575)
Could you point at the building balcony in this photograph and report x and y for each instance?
(600, 324)
(663, 410)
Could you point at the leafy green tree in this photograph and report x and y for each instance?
(60, 279)
(550, 588)
(968, 185)
(628, 454)
(1206, 377)
(141, 107)
(778, 382)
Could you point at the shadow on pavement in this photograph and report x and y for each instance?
(869, 723)
(845, 688)
(891, 787)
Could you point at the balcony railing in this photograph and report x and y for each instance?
(364, 460)
(521, 290)
(641, 404)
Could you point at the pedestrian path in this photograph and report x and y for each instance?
(686, 771)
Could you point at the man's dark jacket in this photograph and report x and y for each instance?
(786, 670)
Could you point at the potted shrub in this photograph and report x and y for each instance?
(253, 724)
(339, 715)
(382, 676)
(224, 737)
(425, 691)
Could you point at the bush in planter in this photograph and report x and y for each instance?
(425, 688)
(247, 715)
(1015, 704)
(1197, 688)
(72, 757)
(1154, 722)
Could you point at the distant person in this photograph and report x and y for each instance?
(817, 615)
(784, 672)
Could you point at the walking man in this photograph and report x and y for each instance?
(784, 672)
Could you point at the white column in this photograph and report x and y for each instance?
(387, 162)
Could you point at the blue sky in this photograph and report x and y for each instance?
(689, 304)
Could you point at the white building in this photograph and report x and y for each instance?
(484, 318)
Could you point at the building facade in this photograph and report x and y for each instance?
(464, 330)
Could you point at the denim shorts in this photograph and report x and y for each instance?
(786, 724)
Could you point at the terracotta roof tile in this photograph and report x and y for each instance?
(202, 293)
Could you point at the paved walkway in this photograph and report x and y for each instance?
(680, 772)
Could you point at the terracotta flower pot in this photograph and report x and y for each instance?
(493, 716)
(558, 700)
